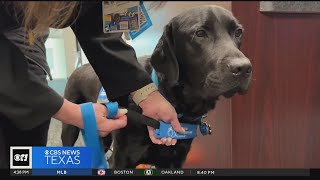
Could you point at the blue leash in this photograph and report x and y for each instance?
(90, 132)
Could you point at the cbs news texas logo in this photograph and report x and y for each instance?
(50, 157)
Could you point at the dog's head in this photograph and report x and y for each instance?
(200, 49)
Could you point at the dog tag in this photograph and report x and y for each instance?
(205, 128)
(121, 16)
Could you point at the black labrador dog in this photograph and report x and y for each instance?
(197, 60)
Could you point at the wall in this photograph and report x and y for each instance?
(146, 42)
(56, 50)
(56, 56)
(276, 125)
(70, 49)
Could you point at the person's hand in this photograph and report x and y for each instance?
(104, 125)
(70, 113)
(157, 107)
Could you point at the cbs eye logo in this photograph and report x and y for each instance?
(20, 158)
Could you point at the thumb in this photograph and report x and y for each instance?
(122, 112)
(177, 126)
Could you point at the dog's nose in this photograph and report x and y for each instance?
(240, 67)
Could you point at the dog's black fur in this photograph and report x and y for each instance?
(197, 60)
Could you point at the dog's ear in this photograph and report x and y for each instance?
(164, 59)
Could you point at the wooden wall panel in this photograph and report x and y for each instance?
(277, 123)
(214, 151)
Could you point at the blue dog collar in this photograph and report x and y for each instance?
(166, 131)
(154, 78)
(102, 97)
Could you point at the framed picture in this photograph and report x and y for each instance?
(290, 6)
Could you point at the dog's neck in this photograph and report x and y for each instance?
(182, 96)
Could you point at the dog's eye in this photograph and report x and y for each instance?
(201, 33)
(238, 33)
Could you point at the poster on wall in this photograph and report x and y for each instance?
(290, 6)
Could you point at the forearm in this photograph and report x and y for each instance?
(70, 113)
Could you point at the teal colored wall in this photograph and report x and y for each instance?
(58, 85)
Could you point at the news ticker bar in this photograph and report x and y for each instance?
(165, 172)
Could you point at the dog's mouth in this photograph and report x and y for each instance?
(230, 93)
(234, 91)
